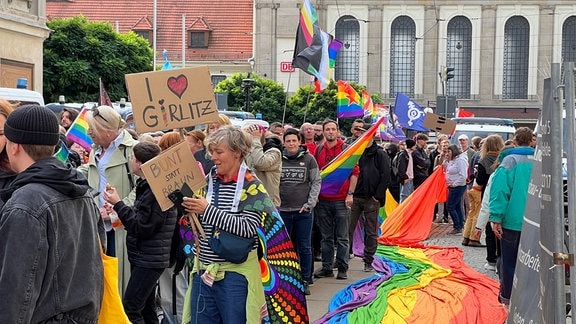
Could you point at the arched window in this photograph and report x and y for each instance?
(402, 56)
(347, 65)
(459, 56)
(516, 52)
(569, 40)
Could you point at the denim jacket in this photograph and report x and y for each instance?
(51, 269)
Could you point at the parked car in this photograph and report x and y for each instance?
(22, 96)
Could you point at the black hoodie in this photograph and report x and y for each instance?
(49, 228)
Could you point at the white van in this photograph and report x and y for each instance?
(21, 96)
(483, 127)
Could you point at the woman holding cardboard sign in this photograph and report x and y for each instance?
(148, 241)
(223, 291)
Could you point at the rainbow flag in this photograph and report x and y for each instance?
(315, 50)
(415, 283)
(368, 106)
(348, 101)
(333, 50)
(425, 285)
(335, 173)
(78, 131)
(62, 153)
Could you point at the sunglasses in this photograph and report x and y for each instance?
(96, 113)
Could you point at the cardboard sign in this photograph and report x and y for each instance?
(171, 99)
(439, 124)
(171, 170)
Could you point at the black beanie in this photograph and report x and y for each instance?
(32, 124)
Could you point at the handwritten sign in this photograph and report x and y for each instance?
(439, 124)
(171, 99)
(170, 171)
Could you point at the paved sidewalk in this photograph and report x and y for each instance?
(325, 288)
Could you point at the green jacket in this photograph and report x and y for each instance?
(117, 176)
(116, 172)
(509, 189)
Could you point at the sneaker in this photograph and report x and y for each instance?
(324, 273)
(368, 268)
(306, 289)
(474, 243)
(490, 266)
(311, 282)
(342, 275)
(351, 256)
(455, 232)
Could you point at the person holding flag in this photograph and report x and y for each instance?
(369, 196)
(333, 209)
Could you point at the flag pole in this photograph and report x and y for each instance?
(286, 98)
(307, 102)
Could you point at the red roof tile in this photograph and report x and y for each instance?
(230, 23)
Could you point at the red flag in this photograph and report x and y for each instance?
(104, 99)
(464, 113)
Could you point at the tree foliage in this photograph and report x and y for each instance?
(79, 52)
(266, 96)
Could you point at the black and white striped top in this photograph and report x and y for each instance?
(242, 223)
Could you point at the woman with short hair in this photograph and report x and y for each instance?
(456, 173)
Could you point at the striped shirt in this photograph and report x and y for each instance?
(242, 223)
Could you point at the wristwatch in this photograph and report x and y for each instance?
(350, 192)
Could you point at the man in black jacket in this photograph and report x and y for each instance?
(49, 230)
(369, 196)
(421, 160)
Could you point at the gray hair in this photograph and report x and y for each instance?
(236, 140)
(104, 118)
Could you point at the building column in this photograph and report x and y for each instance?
(486, 52)
(374, 59)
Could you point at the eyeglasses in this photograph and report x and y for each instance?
(96, 113)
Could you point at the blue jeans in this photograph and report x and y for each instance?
(454, 206)
(333, 219)
(140, 295)
(299, 227)
(510, 242)
(224, 302)
(406, 190)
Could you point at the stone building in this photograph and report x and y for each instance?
(500, 50)
(22, 34)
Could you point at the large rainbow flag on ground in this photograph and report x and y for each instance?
(335, 173)
(415, 283)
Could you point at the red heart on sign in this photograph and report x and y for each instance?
(178, 85)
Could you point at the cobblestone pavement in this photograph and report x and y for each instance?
(325, 288)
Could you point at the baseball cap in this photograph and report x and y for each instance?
(463, 136)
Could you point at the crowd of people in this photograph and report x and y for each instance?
(56, 217)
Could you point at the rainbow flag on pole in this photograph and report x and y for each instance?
(335, 173)
(348, 101)
(78, 131)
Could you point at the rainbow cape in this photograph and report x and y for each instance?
(348, 102)
(78, 131)
(416, 283)
(335, 173)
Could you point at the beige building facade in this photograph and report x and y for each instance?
(22, 34)
(501, 51)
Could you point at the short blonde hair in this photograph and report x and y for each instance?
(104, 118)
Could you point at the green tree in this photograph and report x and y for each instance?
(266, 96)
(79, 52)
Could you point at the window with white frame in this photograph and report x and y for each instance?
(402, 56)
(516, 53)
(459, 56)
(347, 65)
